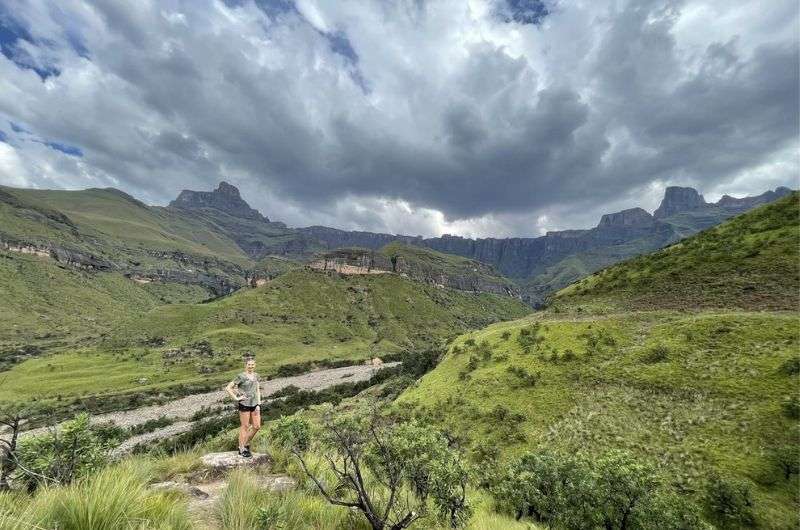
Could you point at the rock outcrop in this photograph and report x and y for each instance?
(231, 459)
(677, 200)
(523, 257)
(471, 276)
(746, 203)
(225, 198)
(72, 257)
(634, 217)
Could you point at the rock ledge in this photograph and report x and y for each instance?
(231, 459)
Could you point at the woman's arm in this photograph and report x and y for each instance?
(258, 393)
(229, 390)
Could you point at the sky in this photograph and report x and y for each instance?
(478, 118)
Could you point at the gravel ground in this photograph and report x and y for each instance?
(182, 409)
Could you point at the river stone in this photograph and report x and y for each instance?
(232, 459)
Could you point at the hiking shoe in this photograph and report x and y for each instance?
(247, 448)
(246, 453)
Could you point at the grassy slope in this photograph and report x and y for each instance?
(713, 404)
(301, 316)
(119, 221)
(42, 302)
(750, 261)
(439, 263)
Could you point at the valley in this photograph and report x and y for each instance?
(683, 359)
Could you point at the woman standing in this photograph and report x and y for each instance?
(246, 392)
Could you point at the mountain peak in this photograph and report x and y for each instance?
(678, 199)
(632, 217)
(225, 198)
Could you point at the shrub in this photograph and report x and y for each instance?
(526, 378)
(791, 407)
(529, 338)
(656, 354)
(401, 467)
(613, 492)
(473, 363)
(470, 342)
(485, 351)
(791, 366)
(730, 500)
(58, 457)
(506, 335)
(787, 460)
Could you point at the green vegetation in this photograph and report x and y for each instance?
(391, 472)
(423, 262)
(749, 262)
(713, 403)
(116, 497)
(706, 400)
(300, 316)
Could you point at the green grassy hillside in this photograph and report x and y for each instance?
(749, 262)
(696, 394)
(301, 316)
(691, 394)
(437, 263)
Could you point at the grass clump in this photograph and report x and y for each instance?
(115, 498)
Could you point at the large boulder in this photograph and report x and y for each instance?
(232, 459)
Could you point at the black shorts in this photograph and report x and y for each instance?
(245, 408)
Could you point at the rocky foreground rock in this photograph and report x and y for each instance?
(231, 459)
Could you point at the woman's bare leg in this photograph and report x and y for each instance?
(244, 425)
(255, 425)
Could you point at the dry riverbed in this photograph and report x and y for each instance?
(181, 410)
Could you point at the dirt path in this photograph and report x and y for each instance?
(181, 410)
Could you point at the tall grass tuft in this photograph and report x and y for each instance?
(116, 498)
(239, 505)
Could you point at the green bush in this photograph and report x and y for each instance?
(526, 378)
(391, 471)
(791, 407)
(787, 460)
(529, 338)
(72, 450)
(612, 492)
(731, 501)
(656, 354)
(791, 366)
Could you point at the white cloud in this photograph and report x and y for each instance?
(447, 120)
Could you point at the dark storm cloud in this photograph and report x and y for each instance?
(423, 117)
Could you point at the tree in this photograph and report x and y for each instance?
(391, 472)
(614, 492)
(731, 501)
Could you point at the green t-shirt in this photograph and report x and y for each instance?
(248, 388)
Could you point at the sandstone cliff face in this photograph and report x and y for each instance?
(746, 203)
(677, 199)
(475, 277)
(635, 217)
(71, 257)
(225, 198)
(524, 257)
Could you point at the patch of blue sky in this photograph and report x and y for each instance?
(65, 148)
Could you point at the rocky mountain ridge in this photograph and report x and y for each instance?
(225, 198)
(221, 239)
